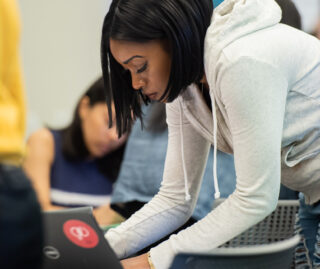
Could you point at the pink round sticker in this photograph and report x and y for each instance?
(80, 233)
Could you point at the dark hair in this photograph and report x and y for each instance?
(73, 144)
(183, 23)
(290, 14)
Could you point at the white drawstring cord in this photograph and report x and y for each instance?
(215, 177)
(187, 194)
(215, 128)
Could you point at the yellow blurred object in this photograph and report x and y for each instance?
(12, 99)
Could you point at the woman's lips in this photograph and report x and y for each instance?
(152, 96)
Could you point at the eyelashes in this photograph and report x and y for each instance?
(143, 68)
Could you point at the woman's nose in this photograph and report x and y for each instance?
(137, 82)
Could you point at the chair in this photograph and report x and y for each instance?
(268, 244)
(278, 226)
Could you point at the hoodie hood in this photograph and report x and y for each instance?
(234, 19)
(230, 21)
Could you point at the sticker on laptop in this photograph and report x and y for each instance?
(80, 233)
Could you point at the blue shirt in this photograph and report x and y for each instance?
(217, 2)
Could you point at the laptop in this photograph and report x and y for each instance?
(73, 239)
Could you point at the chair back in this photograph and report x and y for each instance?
(276, 255)
(268, 244)
(278, 226)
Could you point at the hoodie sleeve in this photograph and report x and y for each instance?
(254, 95)
(169, 209)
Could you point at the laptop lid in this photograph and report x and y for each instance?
(72, 237)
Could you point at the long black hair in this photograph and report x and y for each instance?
(183, 23)
(73, 145)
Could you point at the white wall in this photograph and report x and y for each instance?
(60, 50)
(310, 13)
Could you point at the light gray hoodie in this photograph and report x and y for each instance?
(264, 80)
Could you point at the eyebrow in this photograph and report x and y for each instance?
(135, 56)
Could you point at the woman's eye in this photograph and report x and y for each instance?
(143, 68)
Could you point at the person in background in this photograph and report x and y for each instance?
(228, 78)
(77, 165)
(21, 235)
(290, 14)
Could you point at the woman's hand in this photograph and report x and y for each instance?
(139, 262)
(105, 215)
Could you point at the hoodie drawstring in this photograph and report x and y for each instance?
(186, 189)
(215, 177)
(215, 128)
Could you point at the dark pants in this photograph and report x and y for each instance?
(20, 221)
(309, 221)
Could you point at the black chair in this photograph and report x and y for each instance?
(268, 244)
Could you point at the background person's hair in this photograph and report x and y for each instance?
(290, 14)
(73, 145)
(183, 23)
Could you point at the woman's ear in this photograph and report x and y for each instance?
(84, 107)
